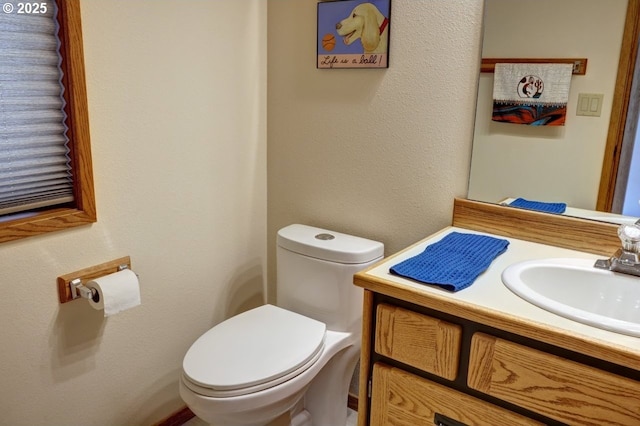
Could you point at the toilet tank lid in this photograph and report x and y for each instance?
(329, 245)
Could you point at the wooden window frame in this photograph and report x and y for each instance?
(75, 94)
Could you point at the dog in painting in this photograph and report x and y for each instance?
(365, 22)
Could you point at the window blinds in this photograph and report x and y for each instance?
(35, 169)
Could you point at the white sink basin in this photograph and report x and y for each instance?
(574, 289)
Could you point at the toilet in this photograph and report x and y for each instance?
(297, 357)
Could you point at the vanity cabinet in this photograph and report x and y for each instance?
(424, 369)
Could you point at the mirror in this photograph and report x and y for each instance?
(555, 163)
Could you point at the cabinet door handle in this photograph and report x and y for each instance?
(440, 420)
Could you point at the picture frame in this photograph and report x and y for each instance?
(353, 34)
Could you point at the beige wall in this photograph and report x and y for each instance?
(376, 153)
(560, 164)
(177, 96)
(178, 100)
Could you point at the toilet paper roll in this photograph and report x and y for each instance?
(117, 292)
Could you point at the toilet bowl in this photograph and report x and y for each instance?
(259, 404)
(296, 359)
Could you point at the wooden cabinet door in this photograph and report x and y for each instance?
(402, 399)
(423, 342)
(555, 387)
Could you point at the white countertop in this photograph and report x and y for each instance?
(489, 292)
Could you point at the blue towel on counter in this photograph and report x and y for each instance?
(539, 206)
(454, 262)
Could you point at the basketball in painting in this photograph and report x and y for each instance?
(328, 42)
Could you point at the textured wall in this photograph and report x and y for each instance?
(178, 123)
(376, 153)
(177, 110)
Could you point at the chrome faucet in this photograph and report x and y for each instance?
(626, 259)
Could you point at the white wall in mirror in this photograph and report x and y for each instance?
(556, 163)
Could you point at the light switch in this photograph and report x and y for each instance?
(589, 104)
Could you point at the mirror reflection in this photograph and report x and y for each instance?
(556, 164)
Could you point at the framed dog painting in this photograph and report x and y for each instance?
(353, 34)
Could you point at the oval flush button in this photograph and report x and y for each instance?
(324, 237)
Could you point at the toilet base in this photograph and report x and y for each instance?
(302, 418)
(324, 387)
(241, 416)
(329, 408)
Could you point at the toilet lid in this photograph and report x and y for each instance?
(250, 351)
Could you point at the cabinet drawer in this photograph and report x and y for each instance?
(402, 399)
(418, 340)
(558, 388)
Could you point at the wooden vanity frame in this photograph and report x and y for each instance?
(557, 230)
(553, 229)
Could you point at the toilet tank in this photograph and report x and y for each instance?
(315, 269)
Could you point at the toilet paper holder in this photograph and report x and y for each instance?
(79, 290)
(71, 286)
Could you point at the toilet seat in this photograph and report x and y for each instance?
(253, 351)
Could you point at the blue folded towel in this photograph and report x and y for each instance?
(454, 262)
(539, 206)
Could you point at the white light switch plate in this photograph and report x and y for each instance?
(589, 104)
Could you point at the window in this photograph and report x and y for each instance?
(76, 206)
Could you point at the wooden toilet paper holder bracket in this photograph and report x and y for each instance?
(71, 286)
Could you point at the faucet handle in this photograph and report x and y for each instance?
(630, 237)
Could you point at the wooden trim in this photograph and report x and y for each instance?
(183, 415)
(621, 98)
(365, 358)
(178, 418)
(556, 230)
(84, 210)
(580, 64)
(77, 109)
(352, 402)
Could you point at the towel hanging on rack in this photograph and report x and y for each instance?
(534, 94)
